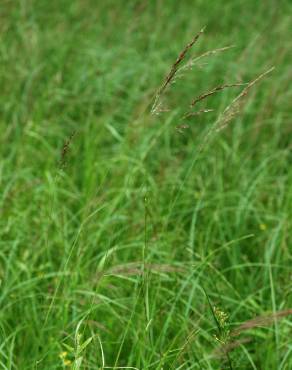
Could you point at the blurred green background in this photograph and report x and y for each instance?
(125, 242)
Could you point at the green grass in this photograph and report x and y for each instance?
(131, 248)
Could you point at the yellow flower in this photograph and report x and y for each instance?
(263, 227)
(63, 354)
(67, 362)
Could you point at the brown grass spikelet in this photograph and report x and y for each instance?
(256, 322)
(172, 73)
(234, 108)
(193, 61)
(214, 91)
(134, 268)
(65, 149)
(224, 349)
(261, 321)
(197, 113)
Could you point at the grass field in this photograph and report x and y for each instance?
(137, 240)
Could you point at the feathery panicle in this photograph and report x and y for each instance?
(194, 61)
(197, 113)
(261, 321)
(214, 91)
(65, 149)
(234, 108)
(171, 75)
(256, 322)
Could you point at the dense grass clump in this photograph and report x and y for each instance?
(146, 184)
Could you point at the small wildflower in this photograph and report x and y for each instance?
(221, 316)
(263, 227)
(222, 319)
(67, 362)
(63, 354)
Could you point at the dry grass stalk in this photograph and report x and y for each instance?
(234, 108)
(193, 114)
(135, 268)
(174, 69)
(224, 349)
(194, 61)
(260, 321)
(65, 149)
(214, 91)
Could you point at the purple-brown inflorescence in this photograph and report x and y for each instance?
(65, 149)
(171, 75)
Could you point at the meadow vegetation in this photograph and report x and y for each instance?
(146, 184)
